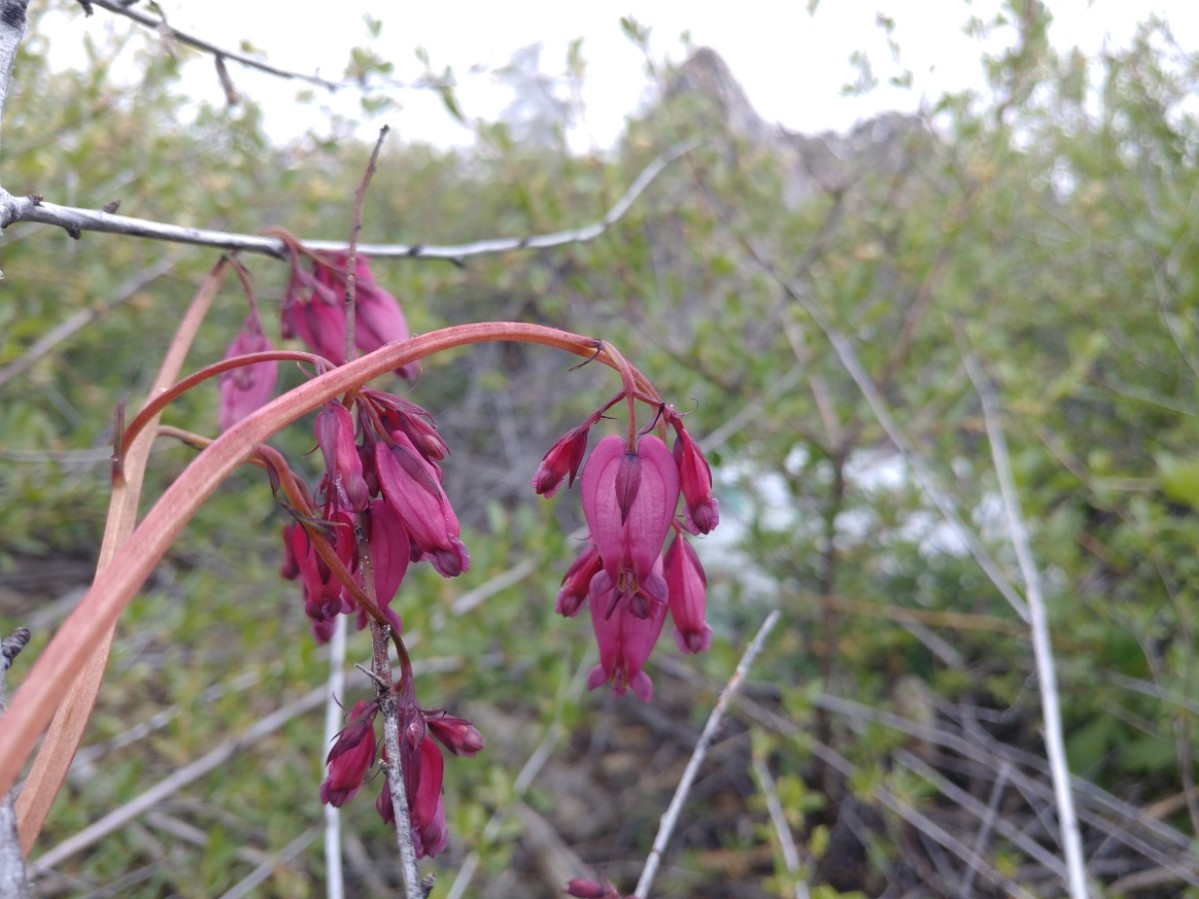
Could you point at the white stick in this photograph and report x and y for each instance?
(336, 684)
(671, 817)
(1055, 748)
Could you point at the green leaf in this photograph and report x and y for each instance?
(1179, 479)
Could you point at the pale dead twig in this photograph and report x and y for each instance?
(264, 871)
(181, 778)
(75, 221)
(920, 821)
(335, 686)
(990, 754)
(1055, 745)
(920, 471)
(186, 832)
(986, 813)
(524, 779)
(671, 817)
(84, 317)
(83, 765)
(13, 881)
(782, 829)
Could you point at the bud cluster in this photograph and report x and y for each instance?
(314, 310)
(630, 491)
(354, 754)
(381, 475)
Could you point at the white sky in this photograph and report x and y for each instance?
(792, 65)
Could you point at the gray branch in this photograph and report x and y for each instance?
(75, 221)
(12, 864)
(12, 30)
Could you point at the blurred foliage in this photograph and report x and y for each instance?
(1046, 227)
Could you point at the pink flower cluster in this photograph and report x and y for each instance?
(630, 492)
(381, 475)
(354, 754)
(314, 310)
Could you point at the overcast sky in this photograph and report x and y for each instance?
(792, 64)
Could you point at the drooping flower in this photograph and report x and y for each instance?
(576, 583)
(629, 501)
(562, 459)
(315, 314)
(343, 467)
(423, 771)
(410, 484)
(427, 809)
(388, 541)
(246, 389)
(457, 735)
(625, 640)
(379, 320)
(695, 477)
(581, 888)
(314, 309)
(351, 756)
(687, 584)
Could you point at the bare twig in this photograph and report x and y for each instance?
(221, 54)
(923, 476)
(782, 829)
(45, 344)
(520, 786)
(12, 863)
(399, 798)
(158, 25)
(335, 687)
(355, 229)
(1055, 747)
(671, 817)
(920, 821)
(12, 31)
(245, 887)
(75, 221)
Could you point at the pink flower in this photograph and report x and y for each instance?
(457, 735)
(314, 310)
(247, 389)
(319, 319)
(390, 551)
(625, 641)
(343, 467)
(427, 808)
(589, 889)
(324, 598)
(629, 501)
(423, 770)
(576, 583)
(378, 317)
(351, 756)
(695, 475)
(409, 482)
(687, 584)
(562, 459)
